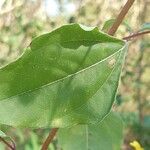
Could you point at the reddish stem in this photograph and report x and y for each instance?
(9, 145)
(49, 138)
(135, 35)
(120, 17)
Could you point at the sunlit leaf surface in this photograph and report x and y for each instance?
(66, 77)
(107, 135)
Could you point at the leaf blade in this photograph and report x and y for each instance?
(51, 82)
(107, 134)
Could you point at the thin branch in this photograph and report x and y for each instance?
(120, 17)
(49, 138)
(9, 145)
(135, 35)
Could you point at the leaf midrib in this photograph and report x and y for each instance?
(96, 90)
(58, 80)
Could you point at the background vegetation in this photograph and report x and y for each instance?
(22, 20)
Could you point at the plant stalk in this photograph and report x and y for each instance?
(135, 35)
(8, 145)
(120, 17)
(49, 138)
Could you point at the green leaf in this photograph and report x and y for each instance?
(107, 135)
(108, 24)
(66, 77)
(2, 134)
(145, 26)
